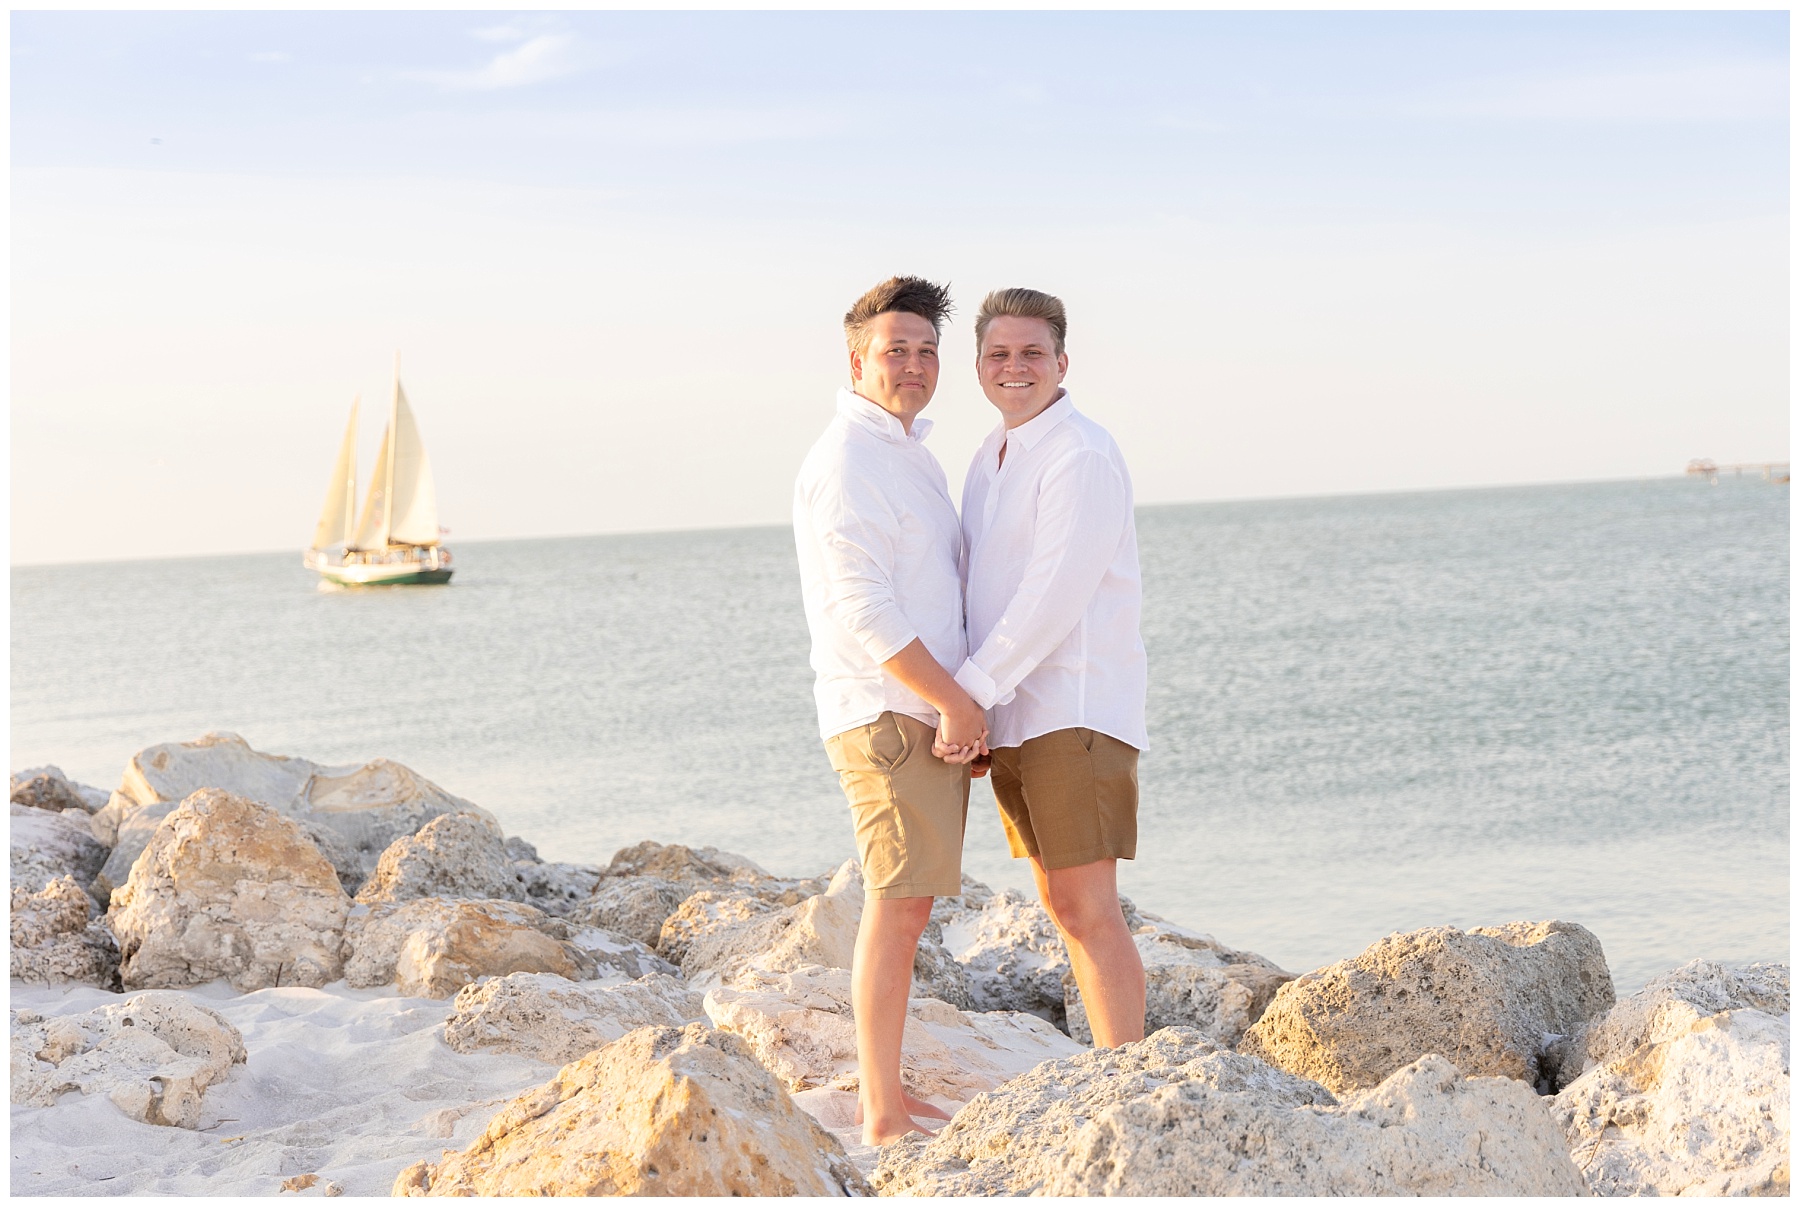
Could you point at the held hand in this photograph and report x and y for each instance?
(961, 730)
(983, 763)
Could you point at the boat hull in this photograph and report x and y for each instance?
(384, 576)
(404, 572)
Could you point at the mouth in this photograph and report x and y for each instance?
(1017, 385)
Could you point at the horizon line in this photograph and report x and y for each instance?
(569, 536)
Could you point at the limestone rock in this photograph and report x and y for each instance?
(616, 956)
(1191, 980)
(724, 931)
(229, 888)
(799, 1025)
(1011, 954)
(553, 1019)
(559, 888)
(432, 947)
(152, 1055)
(57, 937)
(1425, 1130)
(1486, 999)
(1688, 1089)
(48, 788)
(1002, 1143)
(633, 906)
(663, 1111)
(455, 855)
(363, 808)
(708, 865)
(47, 845)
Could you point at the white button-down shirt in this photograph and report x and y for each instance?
(880, 562)
(1053, 589)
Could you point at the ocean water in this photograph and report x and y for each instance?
(1367, 714)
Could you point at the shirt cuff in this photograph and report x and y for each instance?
(980, 687)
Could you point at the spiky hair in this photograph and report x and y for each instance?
(908, 295)
(1025, 304)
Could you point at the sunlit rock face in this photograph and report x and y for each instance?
(433, 947)
(553, 1019)
(662, 1111)
(1490, 1000)
(229, 889)
(58, 937)
(1685, 1087)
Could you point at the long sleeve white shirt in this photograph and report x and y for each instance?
(1053, 592)
(880, 562)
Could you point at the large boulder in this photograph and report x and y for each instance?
(58, 937)
(48, 845)
(663, 1111)
(547, 1017)
(153, 1056)
(48, 788)
(1191, 980)
(1003, 1143)
(672, 861)
(634, 906)
(1425, 1130)
(799, 1025)
(229, 888)
(1686, 1089)
(1491, 1000)
(353, 812)
(455, 855)
(432, 947)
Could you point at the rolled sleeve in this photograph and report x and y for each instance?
(981, 688)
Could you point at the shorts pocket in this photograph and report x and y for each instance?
(887, 742)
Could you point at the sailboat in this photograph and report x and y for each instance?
(395, 541)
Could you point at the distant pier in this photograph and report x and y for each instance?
(1771, 471)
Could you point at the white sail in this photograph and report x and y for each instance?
(401, 507)
(413, 519)
(340, 497)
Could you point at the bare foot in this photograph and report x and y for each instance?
(880, 1136)
(914, 1106)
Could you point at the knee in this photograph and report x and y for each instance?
(1084, 917)
(898, 917)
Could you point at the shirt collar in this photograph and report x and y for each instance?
(879, 419)
(1043, 423)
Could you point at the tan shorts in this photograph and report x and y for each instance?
(909, 806)
(1068, 797)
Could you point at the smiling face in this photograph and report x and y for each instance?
(898, 369)
(1021, 370)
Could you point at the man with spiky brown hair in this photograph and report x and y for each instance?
(1052, 601)
(880, 571)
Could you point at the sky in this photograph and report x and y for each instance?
(1302, 253)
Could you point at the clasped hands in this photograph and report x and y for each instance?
(962, 739)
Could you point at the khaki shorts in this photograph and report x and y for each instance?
(1068, 797)
(909, 806)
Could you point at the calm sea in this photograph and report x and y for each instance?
(1367, 714)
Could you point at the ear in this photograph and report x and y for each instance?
(856, 365)
(1062, 366)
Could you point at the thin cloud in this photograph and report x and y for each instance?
(498, 33)
(545, 57)
(271, 56)
(1743, 91)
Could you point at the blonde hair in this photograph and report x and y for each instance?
(1024, 304)
(908, 295)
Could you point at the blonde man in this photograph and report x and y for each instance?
(1052, 601)
(880, 568)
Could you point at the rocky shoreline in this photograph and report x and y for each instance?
(247, 973)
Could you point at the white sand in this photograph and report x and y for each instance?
(351, 1084)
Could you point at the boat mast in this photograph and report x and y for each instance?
(350, 485)
(387, 496)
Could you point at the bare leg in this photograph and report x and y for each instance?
(1084, 903)
(880, 983)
